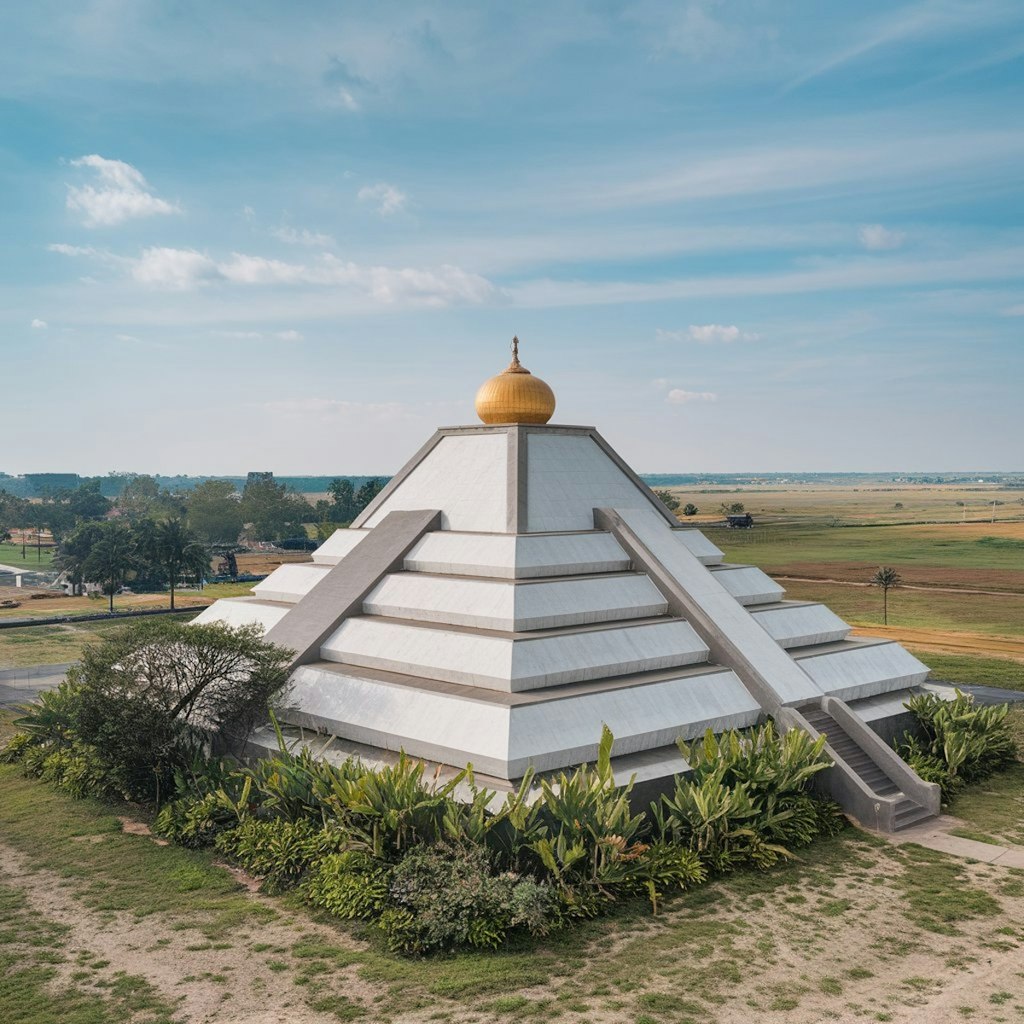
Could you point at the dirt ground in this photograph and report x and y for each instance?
(949, 643)
(844, 940)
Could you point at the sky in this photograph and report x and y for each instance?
(735, 236)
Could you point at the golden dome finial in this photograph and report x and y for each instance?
(515, 395)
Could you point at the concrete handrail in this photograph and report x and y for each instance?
(927, 794)
(842, 783)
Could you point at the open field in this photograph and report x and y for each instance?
(862, 504)
(100, 925)
(10, 554)
(983, 556)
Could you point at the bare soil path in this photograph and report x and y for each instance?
(946, 642)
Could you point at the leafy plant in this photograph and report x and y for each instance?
(745, 800)
(280, 852)
(444, 896)
(960, 742)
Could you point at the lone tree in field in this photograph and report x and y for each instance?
(112, 559)
(887, 579)
(177, 551)
(690, 509)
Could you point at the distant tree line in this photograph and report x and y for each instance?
(153, 537)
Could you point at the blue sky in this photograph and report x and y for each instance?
(734, 236)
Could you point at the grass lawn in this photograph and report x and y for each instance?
(55, 644)
(1001, 615)
(994, 809)
(964, 668)
(10, 554)
(997, 546)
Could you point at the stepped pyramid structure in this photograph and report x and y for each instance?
(516, 586)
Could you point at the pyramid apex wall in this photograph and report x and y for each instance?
(514, 479)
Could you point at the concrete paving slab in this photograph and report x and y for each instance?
(935, 835)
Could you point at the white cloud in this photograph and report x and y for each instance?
(304, 237)
(707, 334)
(75, 250)
(183, 269)
(877, 236)
(679, 397)
(122, 193)
(179, 269)
(39, 325)
(1014, 310)
(387, 198)
(346, 99)
(127, 337)
(289, 336)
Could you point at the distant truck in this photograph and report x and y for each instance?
(741, 522)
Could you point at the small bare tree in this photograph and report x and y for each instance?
(887, 579)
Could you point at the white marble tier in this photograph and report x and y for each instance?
(499, 662)
(794, 624)
(338, 545)
(515, 607)
(291, 582)
(244, 611)
(854, 669)
(748, 584)
(516, 556)
(699, 546)
(502, 738)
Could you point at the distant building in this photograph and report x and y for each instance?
(743, 522)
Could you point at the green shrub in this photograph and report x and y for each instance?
(746, 799)
(78, 770)
(351, 884)
(193, 821)
(280, 852)
(445, 896)
(960, 742)
(149, 700)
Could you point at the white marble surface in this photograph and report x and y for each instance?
(748, 584)
(730, 619)
(511, 556)
(465, 476)
(291, 582)
(862, 670)
(513, 665)
(800, 625)
(337, 546)
(568, 476)
(497, 604)
(243, 611)
(698, 545)
(503, 741)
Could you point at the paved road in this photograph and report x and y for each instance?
(990, 694)
(24, 685)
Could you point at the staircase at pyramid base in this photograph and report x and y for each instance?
(515, 588)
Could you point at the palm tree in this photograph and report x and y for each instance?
(177, 552)
(111, 559)
(887, 579)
